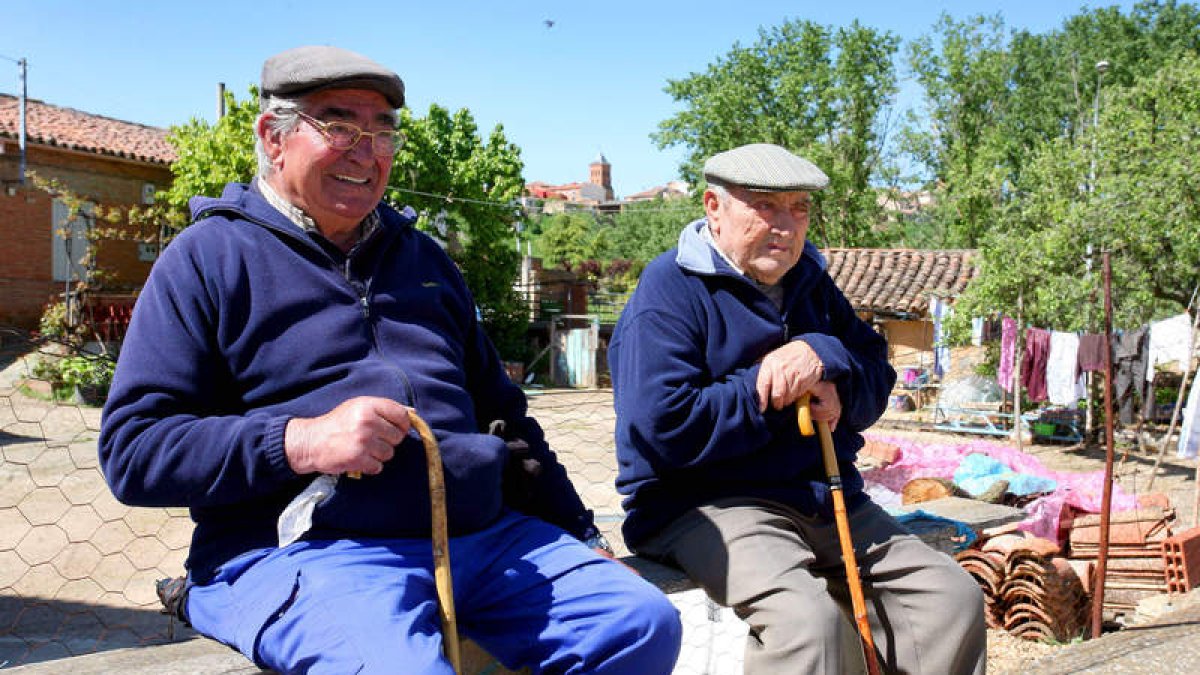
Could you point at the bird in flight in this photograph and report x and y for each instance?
(549, 23)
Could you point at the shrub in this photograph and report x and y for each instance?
(88, 377)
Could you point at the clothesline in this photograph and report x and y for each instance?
(1053, 363)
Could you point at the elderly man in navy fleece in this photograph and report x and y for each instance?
(721, 338)
(282, 339)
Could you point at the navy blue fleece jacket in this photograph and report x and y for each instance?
(685, 358)
(246, 322)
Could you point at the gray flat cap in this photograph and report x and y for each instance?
(304, 70)
(763, 167)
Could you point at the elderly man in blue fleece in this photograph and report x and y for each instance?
(282, 339)
(721, 338)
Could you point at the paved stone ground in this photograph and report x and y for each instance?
(77, 568)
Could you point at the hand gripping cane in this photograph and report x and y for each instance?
(441, 540)
(805, 422)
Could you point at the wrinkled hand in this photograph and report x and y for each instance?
(786, 374)
(357, 436)
(825, 405)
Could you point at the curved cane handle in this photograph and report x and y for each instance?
(804, 417)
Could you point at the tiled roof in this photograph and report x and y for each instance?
(69, 128)
(899, 281)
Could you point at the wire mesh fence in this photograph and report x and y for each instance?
(77, 568)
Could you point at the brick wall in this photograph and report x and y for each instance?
(26, 263)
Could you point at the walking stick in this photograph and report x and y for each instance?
(805, 422)
(441, 540)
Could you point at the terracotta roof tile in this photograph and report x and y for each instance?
(899, 280)
(69, 128)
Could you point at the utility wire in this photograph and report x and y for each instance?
(531, 209)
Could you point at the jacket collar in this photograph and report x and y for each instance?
(697, 254)
(245, 200)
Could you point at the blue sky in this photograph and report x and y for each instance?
(591, 83)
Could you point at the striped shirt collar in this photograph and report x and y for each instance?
(300, 219)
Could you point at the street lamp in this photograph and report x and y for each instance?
(1101, 68)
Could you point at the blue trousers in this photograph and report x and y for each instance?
(526, 591)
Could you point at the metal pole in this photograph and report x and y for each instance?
(1019, 354)
(1106, 500)
(220, 100)
(23, 130)
(1101, 68)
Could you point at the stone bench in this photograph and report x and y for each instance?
(193, 653)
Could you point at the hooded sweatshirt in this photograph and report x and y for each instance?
(247, 321)
(685, 358)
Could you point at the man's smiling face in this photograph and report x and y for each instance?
(336, 188)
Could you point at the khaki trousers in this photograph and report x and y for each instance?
(782, 573)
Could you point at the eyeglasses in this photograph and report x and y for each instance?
(343, 135)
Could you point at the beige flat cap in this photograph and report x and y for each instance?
(764, 167)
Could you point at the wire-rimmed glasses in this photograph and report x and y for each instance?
(343, 135)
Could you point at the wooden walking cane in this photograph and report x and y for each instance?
(805, 422)
(441, 540)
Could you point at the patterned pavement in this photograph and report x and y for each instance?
(77, 568)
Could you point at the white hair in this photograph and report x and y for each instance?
(281, 119)
(721, 193)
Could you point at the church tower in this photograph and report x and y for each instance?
(601, 174)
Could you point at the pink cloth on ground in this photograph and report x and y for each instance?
(1083, 491)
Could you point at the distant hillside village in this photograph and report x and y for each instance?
(596, 193)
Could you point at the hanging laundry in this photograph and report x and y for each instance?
(977, 331)
(1189, 432)
(991, 329)
(1063, 384)
(1008, 349)
(939, 309)
(1033, 363)
(1170, 340)
(1129, 364)
(1091, 353)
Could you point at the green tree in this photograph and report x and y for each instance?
(1144, 207)
(806, 87)
(569, 238)
(210, 155)
(643, 230)
(1147, 205)
(964, 73)
(465, 190)
(995, 100)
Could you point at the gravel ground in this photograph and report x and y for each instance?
(1008, 655)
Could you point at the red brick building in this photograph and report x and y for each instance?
(107, 162)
